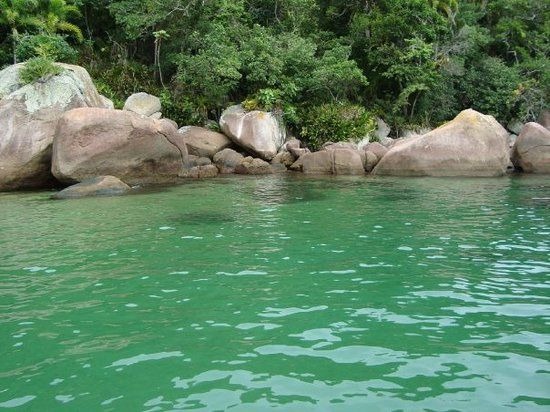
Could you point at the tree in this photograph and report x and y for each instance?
(54, 18)
(17, 14)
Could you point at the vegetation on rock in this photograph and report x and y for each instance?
(38, 68)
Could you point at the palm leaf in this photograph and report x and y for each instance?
(73, 29)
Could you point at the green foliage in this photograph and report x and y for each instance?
(38, 68)
(413, 61)
(119, 81)
(532, 94)
(491, 87)
(335, 122)
(214, 71)
(52, 46)
(54, 16)
(182, 110)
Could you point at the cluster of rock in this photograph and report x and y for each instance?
(60, 129)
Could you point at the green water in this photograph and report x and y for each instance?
(299, 294)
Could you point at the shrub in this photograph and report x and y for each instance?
(335, 122)
(53, 46)
(38, 68)
(491, 87)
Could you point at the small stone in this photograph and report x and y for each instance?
(143, 103)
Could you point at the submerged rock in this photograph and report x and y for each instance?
(256, 131)
(96, 186)
(29, 115)
(531, 151)
(472, 144)
(137, 149)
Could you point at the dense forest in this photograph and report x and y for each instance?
(319, 63)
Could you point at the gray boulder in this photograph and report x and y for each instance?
(382, 129)
(29, 115)
(336, 161)
(144, 104)
(193, 161)
(107, 103)
(203, 142)
(96, 186)
(377, 148)
(292, 144)
(339, 145)
(514, 127)
(371, 160)
(227, 160)
(256, 131)
(253, 166)
(321, 162)
(201, 172)
(137, 149)
(387, 142)
(531, 151)
(472, 144)
(283, 158)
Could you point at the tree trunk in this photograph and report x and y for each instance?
(14, 36)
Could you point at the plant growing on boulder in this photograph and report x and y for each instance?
(38, 68)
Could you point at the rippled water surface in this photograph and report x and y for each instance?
(299, 294)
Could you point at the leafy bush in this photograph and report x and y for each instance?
(181, 109)
(53, 46)
(38, 68)
(335, 122)
(491, 87)
(272, 100)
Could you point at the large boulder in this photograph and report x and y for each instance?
(531, 151)
(96, 186)
(203, 142)
(472, 144)
(321, 162)
(144, 104)
(348, 162)
(29, 115)
(256, 131)
(137, 149)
